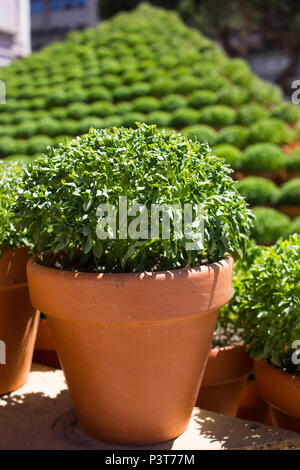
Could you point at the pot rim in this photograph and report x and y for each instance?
(153, 275)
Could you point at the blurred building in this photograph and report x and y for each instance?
(14, 30)
(52, 19)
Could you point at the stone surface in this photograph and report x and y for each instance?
(40, 416)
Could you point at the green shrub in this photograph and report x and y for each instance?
(76, 95)
(232, 96)
(99, 93)
(272, 130)
(56, 98)
(172, 102)
(264, 93)
(50, 127)
(264, 157)
(139, 89)
(146, 104)
(217, 115)
(231, 155)
(200, 98)
(160, 118)
(122, 93)
(200, 132)
(184, 117)
(269, 225)
(7, 146)
(26, 129)
(101, 109)
(258, 191)
(162, 87)
(214, 83)
(250, 113)
(21, 116)
(37, 144)
(10, 178)
(287, 112)
(233, 66)
(130, 119)
(271, 304)
(159, 179)
(77, 110)
(295, 226)
(58, 113)
(87, 123)
(123, 107)
(68, 127)
(290, 193)
(234, 135)
(111, 121)
(186, 84)
(292, 163)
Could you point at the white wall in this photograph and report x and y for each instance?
(15, 34)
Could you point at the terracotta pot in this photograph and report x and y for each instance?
(291, 176)
(277, 176)
(282, 392)
(226, 372)
(44, 351)
(132, 346)
(252, 406)
(291, 211)
(18, 320)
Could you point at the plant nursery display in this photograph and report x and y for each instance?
(120, 302)
(229, 365)
(18, 320)
(271, 303)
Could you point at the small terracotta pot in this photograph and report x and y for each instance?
(226, 372)
(252, 406)
(18, 320)
(282, 392)
(133, 347)
(291, 211)
(276, 176)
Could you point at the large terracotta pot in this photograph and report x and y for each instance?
(18, 320)
(282, 392)
(133, 347)
(291, 211)
(226, 372)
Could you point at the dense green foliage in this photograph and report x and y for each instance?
(62, 192)
(262, 157)
(11, 174)
(258, 191)
(231, 155)
(140, 66)
(271, 304)
(269, 225)
(290, 193)
(292, 163)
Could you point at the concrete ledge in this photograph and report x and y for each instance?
(40, 416)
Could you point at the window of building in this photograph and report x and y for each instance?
(37, 6)
(56, 5)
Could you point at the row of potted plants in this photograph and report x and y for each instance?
(133, 320)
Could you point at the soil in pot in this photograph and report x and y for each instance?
(18, 320)
(226, 372)
(133, 347)
(281, 390)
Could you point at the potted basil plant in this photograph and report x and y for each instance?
(272, 311)
(18, 320)
(132, 305)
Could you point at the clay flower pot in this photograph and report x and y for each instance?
(281, 391)
(133, 347)
(252, 406)
(291, 211)
(18, 320)
(44, 351)
(226, 372)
